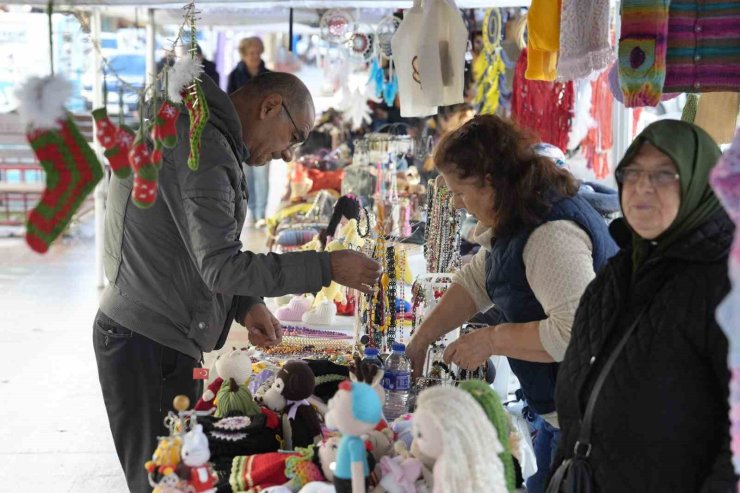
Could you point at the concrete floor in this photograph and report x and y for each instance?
(54, 434)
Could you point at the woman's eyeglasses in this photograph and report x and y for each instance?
(658, 179)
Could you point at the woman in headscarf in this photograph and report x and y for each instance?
(660, 422)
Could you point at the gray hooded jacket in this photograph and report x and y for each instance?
(176, 270)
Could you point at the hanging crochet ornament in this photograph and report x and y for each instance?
(144, 192)
(116, 140)
(337, 26)
(361, 44)
(71, 167)
(184, 86)
(387, 27)
(164, 130)
(488, 93)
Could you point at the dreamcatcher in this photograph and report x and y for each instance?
(487, 95)
(337, 26)
(385, 88)
(361, 44)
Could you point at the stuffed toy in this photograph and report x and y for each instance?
(354, 411)
(293, 385)
(370, 374)
(234, 370)
(195, 455)
(500, 419)
(170, 482)
(164, 463)
(399, 475)
(451, 427)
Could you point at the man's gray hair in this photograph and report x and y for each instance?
(294, 92)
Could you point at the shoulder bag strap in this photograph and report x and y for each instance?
(583, 445)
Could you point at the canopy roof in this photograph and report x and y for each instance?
(262, 4)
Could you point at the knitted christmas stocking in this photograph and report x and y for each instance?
(642, 51)
(164, 130)
(116, 141)
(72, 171)
(144, 193)
(195, 101)
(118, 154)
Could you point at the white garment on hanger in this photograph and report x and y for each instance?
(404, 46)
(442, 53)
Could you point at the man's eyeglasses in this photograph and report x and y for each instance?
(295, 127)
(657, 178)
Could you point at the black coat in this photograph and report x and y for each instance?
(661, 421)
(240, 76)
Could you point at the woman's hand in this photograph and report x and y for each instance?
(471, 350)
(416, 351)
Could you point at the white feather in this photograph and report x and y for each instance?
(181, 75)
(41, 101)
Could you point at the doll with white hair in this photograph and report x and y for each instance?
(451, 427)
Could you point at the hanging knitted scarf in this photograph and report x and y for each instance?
(544, 107)
(598, 141)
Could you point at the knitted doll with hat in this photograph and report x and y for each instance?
(293, 385)
(451, 427)
(499, 418)
(355, 410)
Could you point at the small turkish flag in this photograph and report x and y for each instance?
(200, 373)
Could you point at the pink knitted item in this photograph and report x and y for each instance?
(295, 309)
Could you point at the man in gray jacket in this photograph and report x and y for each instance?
(178, 277)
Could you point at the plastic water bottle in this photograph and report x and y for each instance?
(396, 382)
(372, 356)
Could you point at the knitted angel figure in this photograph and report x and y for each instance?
(452, 428)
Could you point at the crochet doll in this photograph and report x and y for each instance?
(452, 428)
(355, 410)
(195, 455)
(293, 385)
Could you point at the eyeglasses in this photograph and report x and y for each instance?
(295, 127)
(657, 179)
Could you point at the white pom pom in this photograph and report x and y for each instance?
(41, 101)
(181, 75)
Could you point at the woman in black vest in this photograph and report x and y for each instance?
(660, 421)
(542, 243)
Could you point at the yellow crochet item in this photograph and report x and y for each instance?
(332, 292)
(543, 40)
(488, 95)
(277, 218)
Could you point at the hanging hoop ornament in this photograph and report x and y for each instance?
(492, 29)
(384, 34)
(336, 26)
(361, 45)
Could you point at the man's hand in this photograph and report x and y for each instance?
(264, 329)
(354, 270)
(471, 350)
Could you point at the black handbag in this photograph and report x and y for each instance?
(575, 475)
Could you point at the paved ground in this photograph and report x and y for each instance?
(54, 434)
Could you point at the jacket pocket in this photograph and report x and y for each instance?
(111, 329)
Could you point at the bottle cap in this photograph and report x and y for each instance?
(373, 352)
(399, 347)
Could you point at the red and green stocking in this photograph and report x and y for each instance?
(105, 129)
(195, 101)
(164, 130)
(144, 193)
(116, 140)
(72, 171)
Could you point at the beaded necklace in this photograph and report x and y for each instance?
(391, 295)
